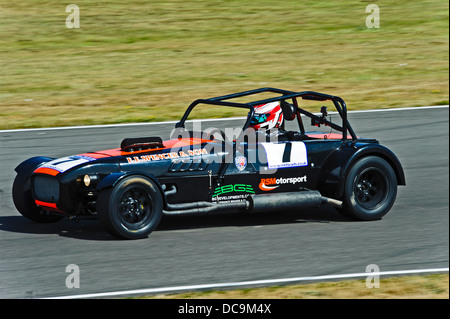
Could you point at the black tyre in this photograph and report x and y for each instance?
(370, 189)
(132, 209)
(21, 193)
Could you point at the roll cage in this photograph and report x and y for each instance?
(225, 100)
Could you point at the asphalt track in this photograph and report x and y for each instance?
(194, 250)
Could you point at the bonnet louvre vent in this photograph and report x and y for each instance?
(141, 143)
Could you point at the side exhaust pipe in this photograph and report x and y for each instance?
(332, 202)
(257, 203)
(284, 201)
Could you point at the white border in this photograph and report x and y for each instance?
(151, 291)
(204, 120)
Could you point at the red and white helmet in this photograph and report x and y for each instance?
(267, 116)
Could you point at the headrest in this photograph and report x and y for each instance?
(288, 110)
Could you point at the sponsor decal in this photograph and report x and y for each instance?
(240, 162)
(269, 184)
(232, 193)
(163, 156)
(264, 187)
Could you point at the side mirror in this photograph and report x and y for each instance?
(318, 121)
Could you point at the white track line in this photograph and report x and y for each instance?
(110, 125)
(248, 283)
(204, 120)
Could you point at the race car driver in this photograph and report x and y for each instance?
(268, 121)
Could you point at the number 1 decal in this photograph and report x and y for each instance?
(289, 154)
(65, 163)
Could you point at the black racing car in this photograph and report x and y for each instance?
(130, 188)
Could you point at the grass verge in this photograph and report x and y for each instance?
(434, 286)
(143, 61)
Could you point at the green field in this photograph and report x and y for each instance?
(410, 287)
(139, 61)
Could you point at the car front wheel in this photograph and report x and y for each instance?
(132, 209)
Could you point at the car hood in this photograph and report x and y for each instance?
(61, 165)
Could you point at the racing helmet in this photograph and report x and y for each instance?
(267, 116)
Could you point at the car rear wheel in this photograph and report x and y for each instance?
(370, 189)
(132, 209)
